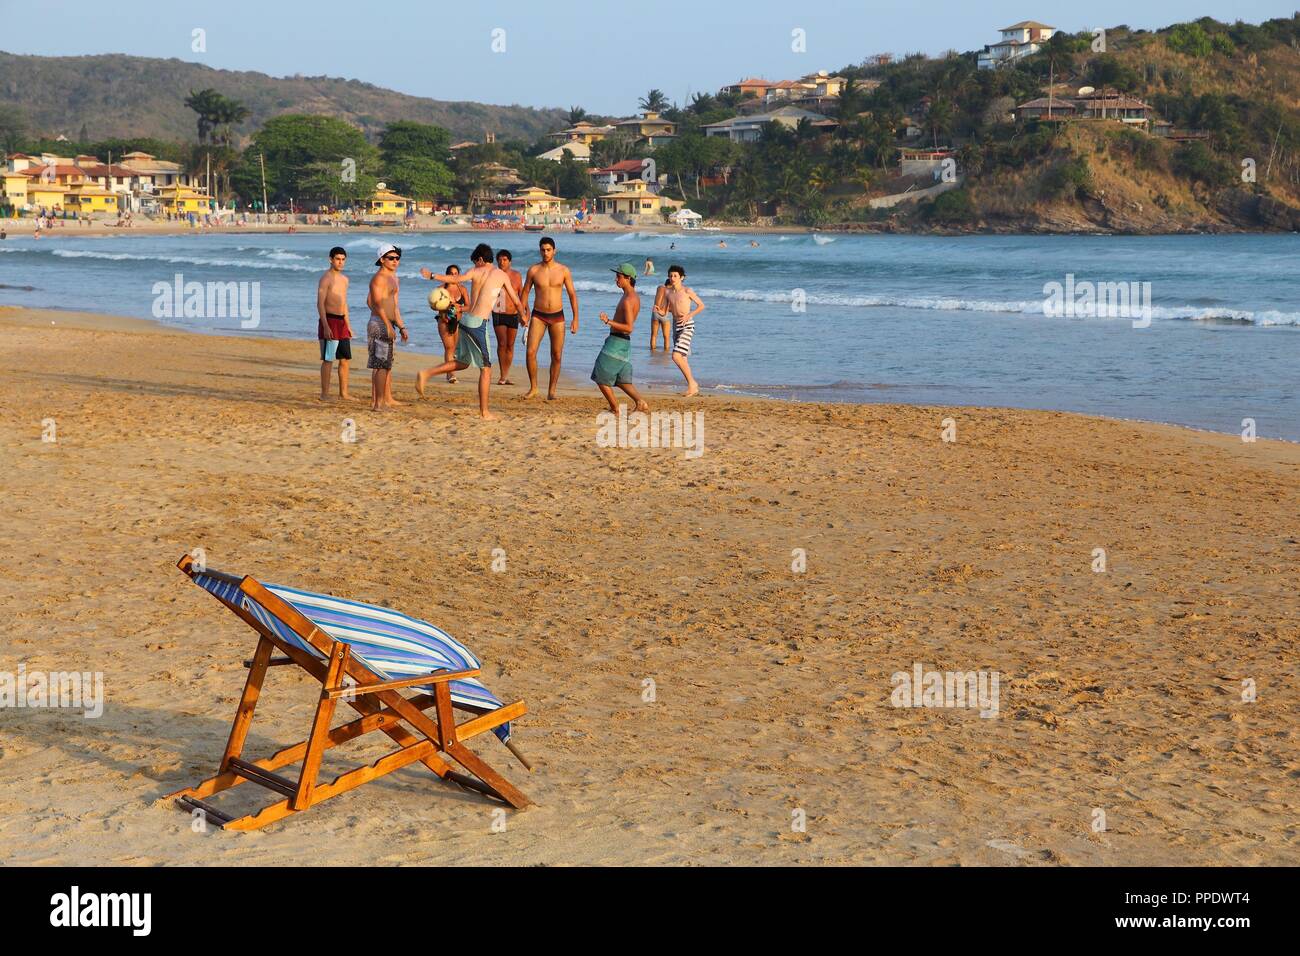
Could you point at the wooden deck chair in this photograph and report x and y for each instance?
(365, 656)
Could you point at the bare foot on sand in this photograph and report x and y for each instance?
(505, 381)
(489, 416)
(551, 396)
(394, 403)
(531, 393)
(420, 379)
(693, 390)
(643, 406)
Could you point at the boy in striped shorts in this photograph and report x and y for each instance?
(684, 305)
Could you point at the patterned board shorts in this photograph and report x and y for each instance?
(380, 346)
(682, 335)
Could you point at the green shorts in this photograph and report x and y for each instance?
(474, 347)
(614, 363)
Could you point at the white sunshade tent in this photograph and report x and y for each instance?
(686, 217)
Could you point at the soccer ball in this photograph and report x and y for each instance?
(440, 300)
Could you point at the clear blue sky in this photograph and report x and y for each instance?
(560, 53)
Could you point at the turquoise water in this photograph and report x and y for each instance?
(919, 319)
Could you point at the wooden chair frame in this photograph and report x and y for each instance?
(378, 701)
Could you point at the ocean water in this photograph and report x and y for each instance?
(947, 321)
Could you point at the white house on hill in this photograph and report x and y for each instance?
(1020, 39)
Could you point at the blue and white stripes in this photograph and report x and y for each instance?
(390, 643)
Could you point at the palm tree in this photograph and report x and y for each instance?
(229, 112)
(702, 103)
(576, 115)
(206, 104)
(654, 101)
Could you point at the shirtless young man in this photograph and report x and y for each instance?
(551, 280)
(332, 328)
(505, 317)
(659, 319)
(474, 344)
(614, 363)
(684, 305)
(384, 317)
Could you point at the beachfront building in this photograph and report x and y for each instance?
(748, 129)
(536, 201)
(579, 151)
(631, 204)
(650, 128)
(155, 174)
(610, 178)
(1018, 40)
(13, 189)
(89, 198)
(180, 200)
(42, 195)
(385, 202)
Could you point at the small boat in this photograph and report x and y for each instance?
(532, 228)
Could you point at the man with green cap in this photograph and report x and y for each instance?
(614, 363)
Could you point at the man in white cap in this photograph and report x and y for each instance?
(384, 317)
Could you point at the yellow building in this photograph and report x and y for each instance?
(180, 200)
(13, 186)
(44, 195)
(537, 201)
(634, 199)
(584, 132)
(89, 199)
(385, 202)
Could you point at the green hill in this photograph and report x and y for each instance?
(115, 95)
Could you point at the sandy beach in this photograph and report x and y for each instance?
(1120, 691)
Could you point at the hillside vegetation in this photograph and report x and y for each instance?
(128, 97)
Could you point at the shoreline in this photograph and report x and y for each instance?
(570, 382)
(26, 226)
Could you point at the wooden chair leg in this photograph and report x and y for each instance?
(320, 727)
(247, 702)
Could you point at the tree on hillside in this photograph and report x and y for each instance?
(13, 128)
(576, 115)
(217, 114)
(653, 102)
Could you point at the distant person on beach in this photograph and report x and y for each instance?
(332, 327)
(449, 321)
(722, 243)
(473, 347)
(384, 318)
(659, 322)
(505, 317)
(684, 305)
(550, 280)
(614, 363)
(649, 266)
